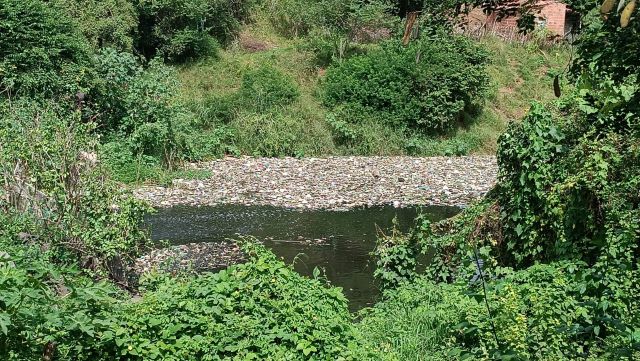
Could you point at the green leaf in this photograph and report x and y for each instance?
(5, 322)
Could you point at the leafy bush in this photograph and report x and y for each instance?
(266, 87)
(564, 200)
(526, 327)
(417, 321)
(41, 51)
(559, 236)
(116, 72)
(420, 86)
(259, 310)
(451, 321)
(140, 106)
(105, 23)
(527, 153)
(186, 30)
(396, 259)
(47, 310)
(51, 176)
(607, 79)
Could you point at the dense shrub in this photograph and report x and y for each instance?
(396, 259)
(52, 177)
(420, 86)
(216, 109)
(358, 132)
(105, 23)
(116, 72)
(140, 105)
(418, 321)
(559, 236)
(570, 198)
(565, 202)
(157, 124)
(526, 327)
(42, 53)
(259, 310)
(266, 87)
(47, 310)
(606, 76)
(528, 152)
(451, 321)
(298, 18)
(186, 30)
(127, 166)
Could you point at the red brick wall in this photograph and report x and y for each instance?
(552, 13)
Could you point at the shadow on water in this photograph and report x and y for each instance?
(339, 242)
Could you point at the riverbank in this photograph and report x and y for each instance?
(331, 183)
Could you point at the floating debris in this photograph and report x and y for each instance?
(195, 257)
(332, 182)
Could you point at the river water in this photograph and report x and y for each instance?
(337, 242)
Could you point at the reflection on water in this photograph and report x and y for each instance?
(337, 241)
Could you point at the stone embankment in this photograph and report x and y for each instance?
(332, 182)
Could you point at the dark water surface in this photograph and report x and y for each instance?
(347, 237)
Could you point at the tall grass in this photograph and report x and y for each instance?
(414, 321)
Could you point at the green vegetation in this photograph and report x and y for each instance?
(261, 310)
(420, 86)
(60, 196)
(265, 88)
(266, 92)
(310, 128)
(545, 267)
(109, 23)
(251, 79)
(42, 51)
(558, 237)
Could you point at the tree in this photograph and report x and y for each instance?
(42, 53)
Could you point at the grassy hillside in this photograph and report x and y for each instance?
(518, 74)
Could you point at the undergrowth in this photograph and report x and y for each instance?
(549, 259)
(517, 73)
